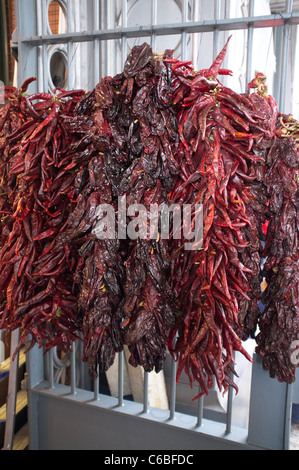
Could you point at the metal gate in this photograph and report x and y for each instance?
(93, 40)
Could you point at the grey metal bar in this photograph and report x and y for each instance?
(289, 6)
(69, 45)
(39, 31)
(154, 22)
(216, 30)
(69, 18)
(172, 389)
(96, 44)
(285, 57)
(278, 35)
(229, 411)
(267, 408)
(81, 381)
(73, 369)
(12, 393)
(121, 378)
(200, 411)
(39, 21)
(184, 33)
(50, 357)
(96, 388)
(167, 29)
(2, 347)
(104, 45)
(124, 24)
(249, 45)
(145, 392)
(27, 55)
(44, 10)
(288, 413)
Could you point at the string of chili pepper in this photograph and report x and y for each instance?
(134, 107)
(62, 155)
(122, 108)
(99, 271)
(278, 324)
(37, 290)
(211, 283)
(266, 110)
(277, 320)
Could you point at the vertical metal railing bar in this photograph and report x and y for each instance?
(73, 369)
(154, 13)
(200, 404)
(12, 392)
(195, 36)
(69, 46)
(249, 45)
(39, 32)
(121, 378)
(106, 20)
(277, 37)
(124, 25)
(44, 9)
(288, 410)
(217, 12)
(229, 410)
(172, 389)
(200, 411)
(145, 392)
(96, 44)
(50, 359)
(285, 56)
(184, 33)
(289, 6)
(96, 387)
(80, 345)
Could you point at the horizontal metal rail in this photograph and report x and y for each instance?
(229, 24)
(49, 377)
(64, 416)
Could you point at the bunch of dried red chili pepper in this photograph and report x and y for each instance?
(76, 152)
(278, 324)
(135, 115)
(124, 296)
(224, 141)
(39, 185)
(208, 281)
(158, 132)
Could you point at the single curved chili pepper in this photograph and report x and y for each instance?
(234, 116)
(237, 105)
(31, 109)
(26, 84)
(45, 122)
(4, 115)
(70, 94)
(215, 67)
(41, 96)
